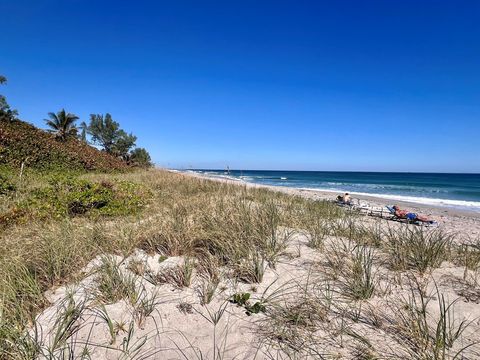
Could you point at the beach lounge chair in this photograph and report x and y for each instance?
(409, 217)
(350, 204)
(362, 207)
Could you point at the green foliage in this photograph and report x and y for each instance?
(62, 124)
(83, 134)
(107, 133)
(242, 299)
(6, 187)
(6, 113)
(68, 196)
(140, 157)
(21, 142)
(256, 308)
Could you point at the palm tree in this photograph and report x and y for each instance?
(62, 124)
(84, 128)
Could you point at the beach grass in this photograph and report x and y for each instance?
(222, 231)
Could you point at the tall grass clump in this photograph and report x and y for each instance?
(429, 334)
(360, 280)
(273, 239)
(416, 248)
(115, 284)
(468, 256)
(210, 278)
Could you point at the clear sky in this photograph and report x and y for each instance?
(309, 85)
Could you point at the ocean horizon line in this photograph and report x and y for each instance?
(328, 171)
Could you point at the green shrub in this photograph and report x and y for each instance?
(21, 142)
(68, 196)
(6, 187)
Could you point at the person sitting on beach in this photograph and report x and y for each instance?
(413, 217)
(345, 199)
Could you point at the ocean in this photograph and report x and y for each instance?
(451, 190)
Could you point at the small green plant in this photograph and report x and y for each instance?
(207, 288)
(131, 346)
(242, 299)
(66, 324)
(257, 307)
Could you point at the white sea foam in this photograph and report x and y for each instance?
(470, 205)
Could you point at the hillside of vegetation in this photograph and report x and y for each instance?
(22, 142)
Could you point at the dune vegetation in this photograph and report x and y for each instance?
(306, 278)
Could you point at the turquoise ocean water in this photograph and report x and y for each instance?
(450, 190)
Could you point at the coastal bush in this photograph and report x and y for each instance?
(22, 143)
(6, 187)
(68, 196)
(140, 157)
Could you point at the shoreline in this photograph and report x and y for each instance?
(461, 221)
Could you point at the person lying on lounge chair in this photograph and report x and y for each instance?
(409, 216)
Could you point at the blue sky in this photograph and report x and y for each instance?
(308, 85)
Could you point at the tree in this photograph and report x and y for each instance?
(106, 133)
(83, 134)
(6, 113)
(62, 124)
(140, 157)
